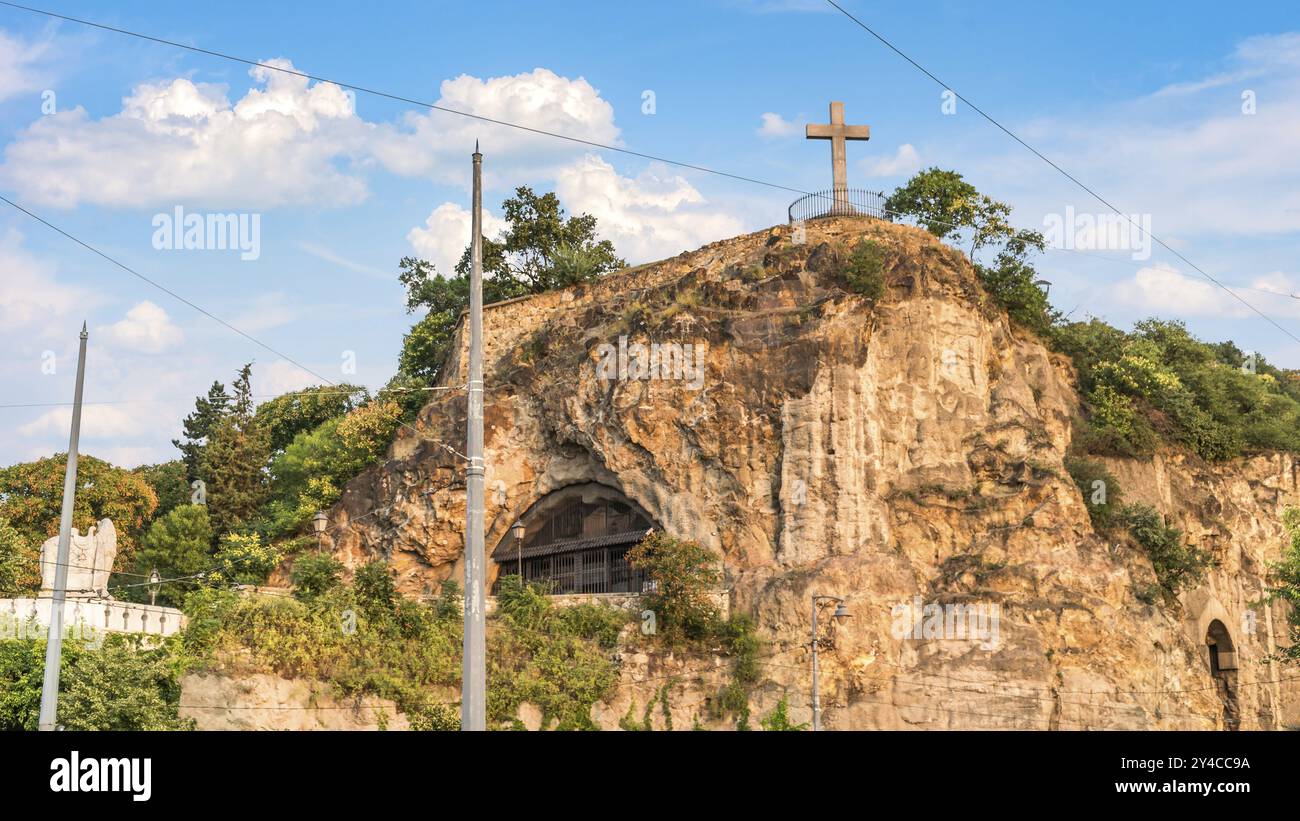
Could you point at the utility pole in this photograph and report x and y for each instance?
(841, 613)
(473, 698)
(54, 640)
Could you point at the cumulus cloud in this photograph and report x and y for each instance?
(444, 235)
(291, 141)
(146, 328)
(436, 144)
(184, 141)
(904, 163)
(774, 125)
(647, 217)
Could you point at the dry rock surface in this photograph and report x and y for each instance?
(902, 450)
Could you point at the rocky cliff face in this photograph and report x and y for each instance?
(902, 453)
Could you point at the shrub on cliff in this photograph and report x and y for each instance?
(1284, 583)
(1101, 492)
(865, 270)
(1177, 564)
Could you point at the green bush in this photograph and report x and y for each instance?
(779, 719)
(1284, 584)
(1101, 492)
(117, 685)
(684, 579)
(314, 574)
(1177, 564)
(864, 272)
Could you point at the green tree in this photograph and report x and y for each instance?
(235, 459)
(540, 250)
(946, 205)
(170, 482)
(15, 557)
(177, 545)
(31, 500)
(314, 574)
(197, 426)
(684, 576)
(284, 417)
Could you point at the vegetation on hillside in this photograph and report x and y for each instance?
(1152, 386)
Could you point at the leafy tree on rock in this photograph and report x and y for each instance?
(540, 250)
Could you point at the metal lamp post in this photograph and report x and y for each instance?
(841, 613)
(318, 523)
(517, 530)
(155, 582)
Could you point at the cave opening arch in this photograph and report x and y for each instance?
(576, 540)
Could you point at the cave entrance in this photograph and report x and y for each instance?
(1223, 668)
(576, 540)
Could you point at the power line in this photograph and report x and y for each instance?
(408, 100)
(652, 157)
(1061, 170)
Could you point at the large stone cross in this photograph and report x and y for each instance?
(837, 132)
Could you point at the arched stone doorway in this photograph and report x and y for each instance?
(576, 540)
(1223, 668)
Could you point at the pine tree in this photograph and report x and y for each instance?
(198, 426)
(234, 461)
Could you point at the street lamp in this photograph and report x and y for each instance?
(517, 530)
(841, 613)
(318, 523)
(155, 582)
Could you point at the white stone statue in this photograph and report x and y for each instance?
(90, 561)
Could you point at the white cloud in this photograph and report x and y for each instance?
(145, 329)
(184, 141)
(280, 377)
(289, 141)
(904, 163)
(774, 125)
(1166, 291)
(20, 70)
(1188, 155)
(647, 217)
(97, 422)
(445, 234)
(438, 144)
(321, 252)
(30, 296)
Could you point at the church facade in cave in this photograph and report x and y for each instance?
(576, 540)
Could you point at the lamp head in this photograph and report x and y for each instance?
(517, 530)
(319, 522)
(841, 613)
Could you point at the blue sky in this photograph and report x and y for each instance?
(1143, 104)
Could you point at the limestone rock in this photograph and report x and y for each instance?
(885, 451)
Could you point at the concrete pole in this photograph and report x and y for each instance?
(816, 689)
(54, 640)
(473, 705)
